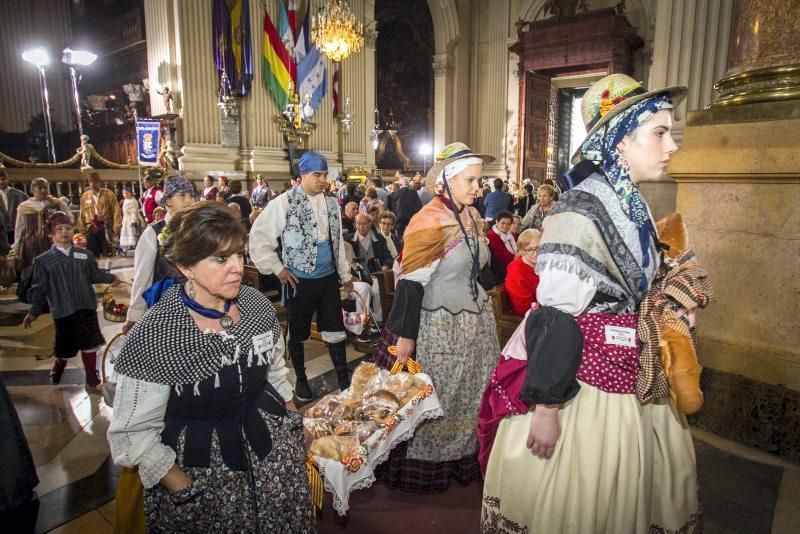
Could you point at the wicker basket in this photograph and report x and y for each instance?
(108, 388)
(107, 310)
(368, 318)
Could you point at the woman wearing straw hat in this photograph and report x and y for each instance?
(442, 311)
(572, 438)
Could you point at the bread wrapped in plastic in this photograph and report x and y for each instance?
(361, 377)
(324, 407)
(378, 406)
(340, 414)
(379, 381)
(351, 398)
(317, 428)
(346, 428)
(402, 381)
(364, 430)
(327, 447)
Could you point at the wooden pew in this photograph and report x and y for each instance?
(505, 319)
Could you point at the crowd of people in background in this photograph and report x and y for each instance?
(362, 228)
(112, 223)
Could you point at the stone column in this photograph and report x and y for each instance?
(162, 70)
(492, 86)
(690, 48)
(511, 122)
(738, 177)
(366, 119)
(33, 24)
(443, 99)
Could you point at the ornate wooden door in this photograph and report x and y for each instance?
(535, 96)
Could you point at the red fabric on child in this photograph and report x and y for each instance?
(498, 248)
(521, 283)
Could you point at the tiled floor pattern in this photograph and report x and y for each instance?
(65, 427)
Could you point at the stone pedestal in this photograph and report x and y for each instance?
(738, 177)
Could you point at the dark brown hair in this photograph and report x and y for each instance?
(204, 229)
(504, 215)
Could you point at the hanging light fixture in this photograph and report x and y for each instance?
(375, 133)
(336, 31)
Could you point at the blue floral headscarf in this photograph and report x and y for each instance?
(601, 147)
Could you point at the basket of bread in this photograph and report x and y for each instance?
(353, 431)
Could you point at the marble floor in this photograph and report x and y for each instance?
(743, 489)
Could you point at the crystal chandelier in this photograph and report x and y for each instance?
(336, 31)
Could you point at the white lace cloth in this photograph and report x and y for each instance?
(357, 470)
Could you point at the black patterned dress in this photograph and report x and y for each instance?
(230, 431)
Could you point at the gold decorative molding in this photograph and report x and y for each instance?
(772, 84)
(730, 178)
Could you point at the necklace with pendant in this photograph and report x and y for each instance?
(225, 320)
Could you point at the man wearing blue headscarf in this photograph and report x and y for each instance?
(307, 227)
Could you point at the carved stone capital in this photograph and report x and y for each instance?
(442, 65)
(370, 37)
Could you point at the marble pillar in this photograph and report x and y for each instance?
(764, 62)
(738, 177)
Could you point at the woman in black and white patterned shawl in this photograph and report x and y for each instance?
(203, 405)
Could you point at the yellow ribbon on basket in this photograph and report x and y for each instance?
(315, 484)
(413, 366)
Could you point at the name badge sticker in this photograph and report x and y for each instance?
(620, 335)
(262, 343)
(80, 256)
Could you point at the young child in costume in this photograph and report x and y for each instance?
(63, 278)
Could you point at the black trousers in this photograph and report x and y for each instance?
(96, 242)
(310, 296)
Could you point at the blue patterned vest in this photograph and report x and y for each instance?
(299, 237)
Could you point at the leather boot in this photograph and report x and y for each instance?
(338, 352)
(302, 390)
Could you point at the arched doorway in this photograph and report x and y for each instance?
(561, 52)
(404, 52)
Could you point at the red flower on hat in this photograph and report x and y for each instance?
(605, 94)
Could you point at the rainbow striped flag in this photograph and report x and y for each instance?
(278, 65)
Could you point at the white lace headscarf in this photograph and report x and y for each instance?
(452, 169)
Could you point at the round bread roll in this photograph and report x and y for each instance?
(361, 377)
(324, 407)
(378, 414)
(347, 428)
(408, 395)
(398, 391)
(327, 447)
(401, 381)
(383, 396)
(352, 400)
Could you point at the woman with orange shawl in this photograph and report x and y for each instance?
(441, 311)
